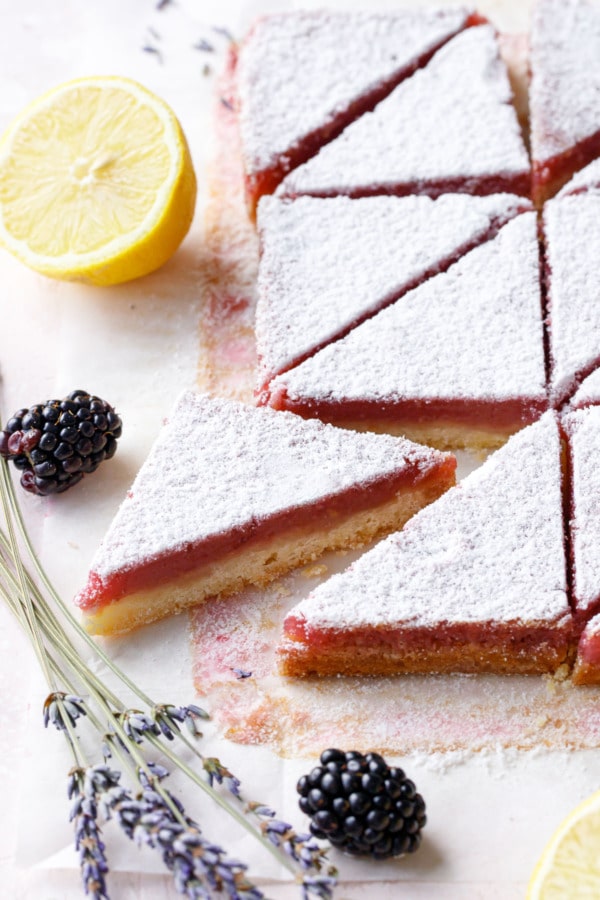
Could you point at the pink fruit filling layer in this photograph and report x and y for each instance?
(164, 568)
(494, 415)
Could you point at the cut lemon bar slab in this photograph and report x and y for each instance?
(232, 495)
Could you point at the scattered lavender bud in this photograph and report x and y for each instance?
(150, 48)
(224, 32)
(204, 45)
(241, 673)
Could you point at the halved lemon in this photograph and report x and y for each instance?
(96, 182)
(569, 868)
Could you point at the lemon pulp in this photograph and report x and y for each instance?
(96, 182)
(569, 868)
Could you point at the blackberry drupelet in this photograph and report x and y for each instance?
(58, 442)
(362, 805)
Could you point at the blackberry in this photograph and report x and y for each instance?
(362, 805)
(58, 442)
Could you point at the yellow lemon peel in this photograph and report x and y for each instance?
(96, 182)
(569, 867)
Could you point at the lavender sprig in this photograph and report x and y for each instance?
(303, 849)
(84, 786)
(198, 865)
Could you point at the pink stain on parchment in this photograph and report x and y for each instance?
(234, 640)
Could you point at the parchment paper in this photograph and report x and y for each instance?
(490, 811)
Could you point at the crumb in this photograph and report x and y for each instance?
(541, 721)
(562, 673)
(314, 571)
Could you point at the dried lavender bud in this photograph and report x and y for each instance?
(63, 710)
(216, 771)
(137, 725)
(168, 717)
(84, 788)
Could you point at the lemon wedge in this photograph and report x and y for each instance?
(96, 182)
(570, 864)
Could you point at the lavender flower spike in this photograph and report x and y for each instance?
(84, 786)
(198, 866)
(59, 706)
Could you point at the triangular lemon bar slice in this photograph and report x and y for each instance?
(474, 583)
(583, 432)
(450, 127)
(326, 265)
(571, 227)
(232, 495)
(564, 95)
(303, 76)
(458, 362)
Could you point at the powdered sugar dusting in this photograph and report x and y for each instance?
(588, 391)
(565, 82)
(326, 263)
(228, 349)
(297, 717)
(429, 714)
(298, 71)
(472, 332)
(583, 428)
(572, 228)
(490, 549)
(219, 465)
(588, 179)
(452, 119)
